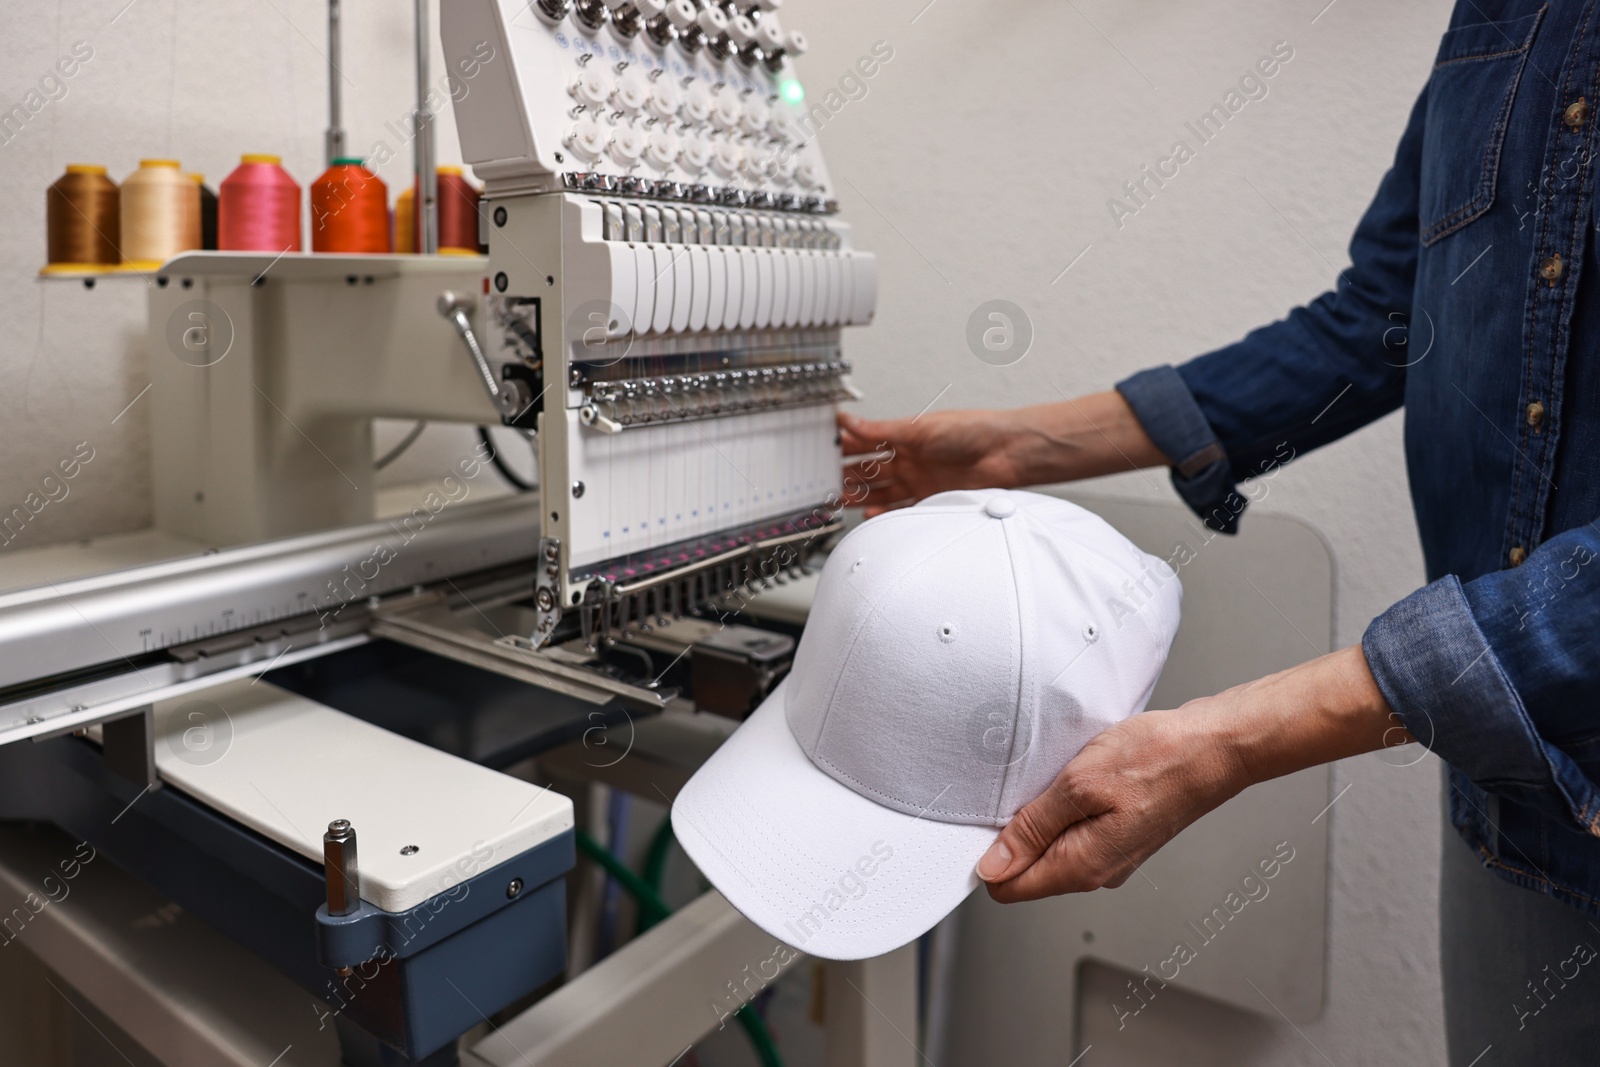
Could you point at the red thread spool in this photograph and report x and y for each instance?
(258, 208)
(458, 216)
(349, 210)
(458, 213)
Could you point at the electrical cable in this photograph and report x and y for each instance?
(500, 465)
(405, 442)
(650, 903)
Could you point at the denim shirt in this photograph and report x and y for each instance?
(1473, 300)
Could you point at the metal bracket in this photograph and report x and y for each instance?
(547, 591)
(128, 745)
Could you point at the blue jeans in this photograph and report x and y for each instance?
(1521, 970)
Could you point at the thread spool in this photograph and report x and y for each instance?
(160, 214)
(405, 221)
(258, 207)
(458, 216)
(83, 221)
(208, 213)
(349, 210)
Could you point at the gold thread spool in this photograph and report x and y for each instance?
(160, 214)
(405, 221)
(82, 220)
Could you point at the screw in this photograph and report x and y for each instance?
(514, 889)
(499, 216)
(577, 490)
(410, 850)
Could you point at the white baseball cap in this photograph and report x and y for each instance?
(958, 654)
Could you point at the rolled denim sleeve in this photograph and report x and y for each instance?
(1500, 676)
(1327, 369)
(1173, 419)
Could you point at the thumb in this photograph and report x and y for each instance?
(1031, 830)
(871, 432)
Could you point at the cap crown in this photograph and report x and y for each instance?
(959, 653)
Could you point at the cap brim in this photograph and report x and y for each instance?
(813, 863)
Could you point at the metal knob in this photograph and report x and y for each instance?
(682, 14)
(712, 22)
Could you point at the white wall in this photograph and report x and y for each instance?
(978, 166)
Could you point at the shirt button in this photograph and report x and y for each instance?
(1576, 114)
(1550, 269)
(1535, 414)
(1518, 554)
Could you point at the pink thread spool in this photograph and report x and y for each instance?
(258, 208)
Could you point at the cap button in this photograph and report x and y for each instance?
(1000, 507)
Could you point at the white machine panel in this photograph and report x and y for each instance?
(667, 484)
(286, 767)
(669, 281)
(580, 93)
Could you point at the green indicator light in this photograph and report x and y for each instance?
(793, 92)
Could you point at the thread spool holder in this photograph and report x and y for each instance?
(266, 372)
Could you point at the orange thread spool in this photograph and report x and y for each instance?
(83, 221)
(349, 210)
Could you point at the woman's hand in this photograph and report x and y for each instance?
(904, 460)
(1130, 791)
(1142, 780)
(901, 461)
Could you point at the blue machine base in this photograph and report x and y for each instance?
(444, 966)
(419, 979)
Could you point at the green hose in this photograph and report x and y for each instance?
(652, 909)
(655, 867)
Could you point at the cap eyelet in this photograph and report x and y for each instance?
(1091, 633)
(947, 632)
